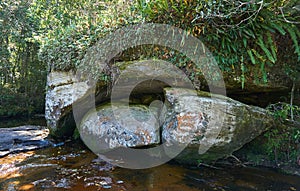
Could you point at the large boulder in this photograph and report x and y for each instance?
(203, 126)
(64, 89)
(60, 96)
(119, 125)
(211, 126)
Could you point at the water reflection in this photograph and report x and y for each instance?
(73, 167)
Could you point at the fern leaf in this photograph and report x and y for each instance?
(272, 46)
(223, 42)
(243, 79)
(258, 55)
(278, 28)
(264, 26)
(264, 73)
(298, 33)
(245, 42)
(294, 39)
(265, 49)
(249, 33)
(251, 57)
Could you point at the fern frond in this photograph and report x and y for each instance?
(245, 42)
(278, 28)
(251, 57)
(261, 57)
(243, 79)
(293, 35)
(272, 45)
(265, 49)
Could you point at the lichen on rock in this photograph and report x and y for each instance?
(111, 127)
(212, 126)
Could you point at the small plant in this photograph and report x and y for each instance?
(282, 144)
(283, 141)
(284, 111)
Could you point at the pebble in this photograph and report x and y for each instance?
(106, 186)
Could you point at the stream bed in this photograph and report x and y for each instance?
(74, 167)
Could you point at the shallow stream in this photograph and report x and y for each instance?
(73, 167)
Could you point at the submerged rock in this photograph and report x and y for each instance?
(211, 126)
(119, 126)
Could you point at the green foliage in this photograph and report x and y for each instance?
(22, 75)
(54, 33)
(68, 28)
(240, 34)
(11, 103)
(65, 56)
(282, 141)
(17, 103)
(282, 144)
(282, 111)
(245, 37)
(76, 134)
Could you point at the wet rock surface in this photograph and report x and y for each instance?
(24, 138)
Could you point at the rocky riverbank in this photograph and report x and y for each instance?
(23, 138)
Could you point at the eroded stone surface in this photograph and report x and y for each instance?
(62, 91)
(109, 128)
(211, 127)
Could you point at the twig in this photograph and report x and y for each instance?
(291, 101)
(209, 166)
(236, 10)
(238, 160)
(285, 19)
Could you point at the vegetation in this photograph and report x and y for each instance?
(280, 144)
(41, 35)
(22, 75)
(283, 142)
(70, 27)
(245, 37)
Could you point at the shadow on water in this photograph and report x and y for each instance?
(73, 167)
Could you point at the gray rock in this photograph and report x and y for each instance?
(60, 96)
(114, 127)
(24, 138)
(211, 126)
(64, 90)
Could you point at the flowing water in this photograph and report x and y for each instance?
(73, 167)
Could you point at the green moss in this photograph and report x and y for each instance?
(76, 134)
